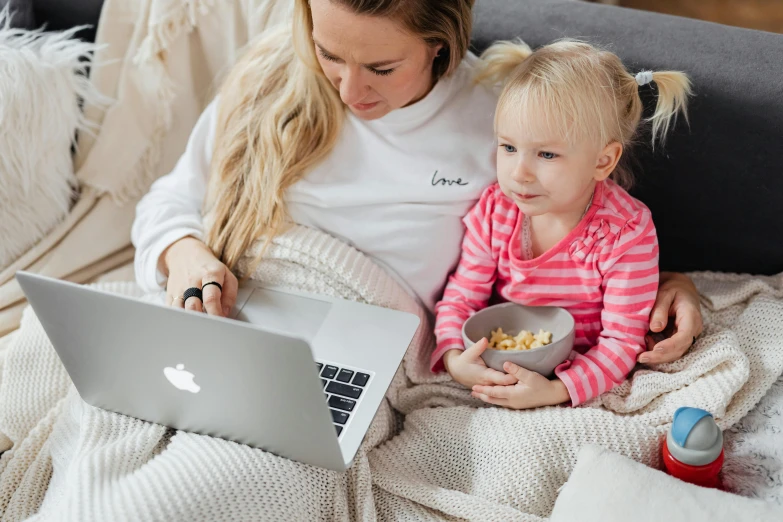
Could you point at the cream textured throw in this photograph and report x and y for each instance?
(443, 458)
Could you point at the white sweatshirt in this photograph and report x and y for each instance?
(395, 188)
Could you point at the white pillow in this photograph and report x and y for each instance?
(607, 487)
(42, 79)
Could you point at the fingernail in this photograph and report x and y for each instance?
(657, 324)
(643, 359)
(226, 310)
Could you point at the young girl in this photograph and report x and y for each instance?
(558, 229)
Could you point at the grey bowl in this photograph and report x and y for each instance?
(512, 318)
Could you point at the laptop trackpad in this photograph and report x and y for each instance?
(293, 314)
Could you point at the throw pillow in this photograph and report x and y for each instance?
(43, 82)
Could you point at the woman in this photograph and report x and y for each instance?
(392, 175)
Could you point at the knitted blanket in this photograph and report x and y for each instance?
(432, 452)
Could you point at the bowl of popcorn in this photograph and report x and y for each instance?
(534, 337)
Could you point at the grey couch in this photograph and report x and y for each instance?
(716, 188)
(57, 14)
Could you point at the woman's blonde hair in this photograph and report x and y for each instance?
(583, 92)
(279, 115)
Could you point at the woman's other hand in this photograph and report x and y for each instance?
(677, 300)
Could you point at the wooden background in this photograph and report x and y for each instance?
(766, 15)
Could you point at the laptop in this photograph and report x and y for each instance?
(298, 375)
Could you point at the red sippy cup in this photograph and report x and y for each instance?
(693, 450)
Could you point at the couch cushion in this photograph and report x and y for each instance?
(715, 189)
(22, 14)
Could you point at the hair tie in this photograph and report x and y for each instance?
(644, 77)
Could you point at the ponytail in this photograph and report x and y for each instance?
(674, 88)
(500, 60)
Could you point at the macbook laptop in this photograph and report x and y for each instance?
(298, 375)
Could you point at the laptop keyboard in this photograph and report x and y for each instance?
(343, 388)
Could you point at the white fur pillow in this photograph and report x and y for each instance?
(42, 80)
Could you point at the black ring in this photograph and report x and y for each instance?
(212, 283)
(192, 292)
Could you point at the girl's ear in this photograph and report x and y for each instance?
(607, 160)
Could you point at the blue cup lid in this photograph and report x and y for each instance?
(694, 438)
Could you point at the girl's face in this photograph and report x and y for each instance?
(543, 173)
(372, 61)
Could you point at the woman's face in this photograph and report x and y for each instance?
(375, 64)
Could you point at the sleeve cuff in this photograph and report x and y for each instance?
(564, 375)
(436, 360)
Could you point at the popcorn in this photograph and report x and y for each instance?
(524, 340)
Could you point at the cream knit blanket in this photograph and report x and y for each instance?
(431, 454)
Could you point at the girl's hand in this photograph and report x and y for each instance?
(531, 390)
(468, 368)
(677, 297)
(190, 263)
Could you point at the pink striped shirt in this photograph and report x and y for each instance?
(605, 273)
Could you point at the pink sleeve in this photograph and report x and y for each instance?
(630, 284)
(470, 286)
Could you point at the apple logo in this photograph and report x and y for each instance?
(181, 379)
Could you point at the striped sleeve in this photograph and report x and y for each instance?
(470, 286)
(629, 266)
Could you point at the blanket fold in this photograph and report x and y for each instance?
(432, 452)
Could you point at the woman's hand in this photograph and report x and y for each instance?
(532, 390)
(190, 263)
(677, 298)
(468, 368)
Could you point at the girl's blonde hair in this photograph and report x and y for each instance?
(279, 115)
(582, 92)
